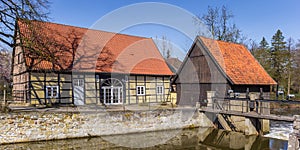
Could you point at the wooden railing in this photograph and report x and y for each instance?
(258, 108)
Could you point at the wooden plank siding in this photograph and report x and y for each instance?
(200, 73)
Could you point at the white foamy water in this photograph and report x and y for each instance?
(280, 130)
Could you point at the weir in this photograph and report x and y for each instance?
(250, 116)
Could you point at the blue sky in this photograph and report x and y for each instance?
(256, 18)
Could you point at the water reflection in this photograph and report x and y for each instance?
(199, 138)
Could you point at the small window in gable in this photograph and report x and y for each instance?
(19, 58)
(140, 90)
(51, 91)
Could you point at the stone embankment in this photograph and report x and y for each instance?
(37, 126)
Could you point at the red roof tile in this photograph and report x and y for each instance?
(238, 63)
(62, 47)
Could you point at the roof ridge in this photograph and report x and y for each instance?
(86, 28)
(229, 42)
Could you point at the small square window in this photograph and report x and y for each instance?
(51, 91)
(54, 92)
(48, 91)
(159, 90)
(78, 82)
(140, 90)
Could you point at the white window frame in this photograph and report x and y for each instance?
(52, 91)
(78, 82)
(160, 90)
(140, 90)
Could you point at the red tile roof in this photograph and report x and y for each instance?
(238, 63)
(62, 47)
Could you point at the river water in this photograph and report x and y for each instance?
(280, 130)
(198, 138)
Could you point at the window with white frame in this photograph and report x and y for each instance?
(160, 90)
(140, 90)
(51, 91)
(78, 82)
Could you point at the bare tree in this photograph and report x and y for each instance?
(165, 46)
(211, 20)
(296, 68)
(252, 46)
(5, 64)
(11, 10)
(290, 61)
(221, 26)
(224, 32)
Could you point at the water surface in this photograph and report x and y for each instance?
(198, 138)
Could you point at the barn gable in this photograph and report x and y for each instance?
(217, 66)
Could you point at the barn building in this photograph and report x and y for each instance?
(61, 64)
(218, 68)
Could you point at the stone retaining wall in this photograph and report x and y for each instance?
(38, 126)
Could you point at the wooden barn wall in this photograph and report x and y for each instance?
(200, 68)
(199, 75)
(189, 94)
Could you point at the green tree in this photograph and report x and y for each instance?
(262, 54)
(279, 58)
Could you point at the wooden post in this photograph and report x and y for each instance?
(295, 136)
(4, 92)
(247, 105)
(229, 105)
(210, 96)
(242, 106)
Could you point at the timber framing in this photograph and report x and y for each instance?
(39, 81)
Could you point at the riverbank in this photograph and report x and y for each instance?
(40, 125)
(284, 109)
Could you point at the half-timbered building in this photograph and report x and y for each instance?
(61, 64)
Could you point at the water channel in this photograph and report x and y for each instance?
(197, 138)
